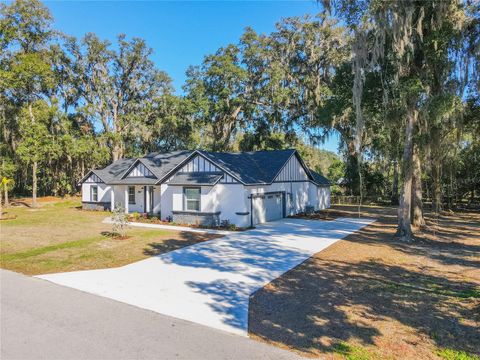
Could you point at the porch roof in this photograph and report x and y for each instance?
(196, 178)
(141, 180)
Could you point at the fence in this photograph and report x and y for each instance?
(355, 200)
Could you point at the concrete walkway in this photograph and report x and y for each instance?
(41, 320)
(108, 220)
(210, 283)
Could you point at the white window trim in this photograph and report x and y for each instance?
(91, 193)
(185, 208)
(134, 195)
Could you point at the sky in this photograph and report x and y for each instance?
(181, 33)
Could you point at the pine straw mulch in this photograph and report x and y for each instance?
(371, 296)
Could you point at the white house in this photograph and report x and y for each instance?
(201, 187)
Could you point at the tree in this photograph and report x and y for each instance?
(119, 220)
(116, 86)
(26, 76)
(217, 91)
(407, 34)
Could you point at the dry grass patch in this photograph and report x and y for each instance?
(58, 237)
(369, 296)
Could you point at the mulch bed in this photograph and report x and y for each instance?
(155, 220)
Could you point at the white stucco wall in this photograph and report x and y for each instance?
(103, 192)
(323, 197)
(229, 199)
(226, 198)
(298, 194)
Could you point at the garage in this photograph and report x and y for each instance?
(267, 207)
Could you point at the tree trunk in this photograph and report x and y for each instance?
(117, 151)
(417, 204)
(6, 196)
(437, 187)
(404, 230)
(82, 162)
(1, 209)
(394, 198)
(34, 184)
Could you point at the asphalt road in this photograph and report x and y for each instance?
(41, 320)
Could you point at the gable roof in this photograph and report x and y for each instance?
(162, 164)
(250, 168)
(255, 167)
(319, 179)
(113, 171)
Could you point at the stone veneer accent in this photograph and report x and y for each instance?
(96, 206)
(196, 218)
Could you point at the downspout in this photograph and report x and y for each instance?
(251, 210)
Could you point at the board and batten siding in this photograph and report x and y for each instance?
(93, 179)
(200, 164)
(292, 171)
(140, 170)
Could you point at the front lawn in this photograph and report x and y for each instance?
(370, 296)
(58, 236)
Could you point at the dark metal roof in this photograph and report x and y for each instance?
(256, 167)
(114, 170)
(196, 178)
(319, 179)
(161, 164)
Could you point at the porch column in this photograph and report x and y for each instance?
(126, 199)
(112, 199)
(147, 199)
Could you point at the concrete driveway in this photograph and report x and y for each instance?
(210, 283)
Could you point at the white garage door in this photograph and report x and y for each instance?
(267, 208)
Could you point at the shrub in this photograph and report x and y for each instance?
(309, 209)
(135, 216)
(225, 223)
(119, 220)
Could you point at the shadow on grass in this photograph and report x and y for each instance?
(339, 301)
(322, 304)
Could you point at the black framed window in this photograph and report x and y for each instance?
(94, 194)
(131, 194)
(192, 198)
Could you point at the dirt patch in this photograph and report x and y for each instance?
(373, 294)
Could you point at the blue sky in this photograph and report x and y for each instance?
(181, 33)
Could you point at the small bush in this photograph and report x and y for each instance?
(135, 216)
(119, 220)
(309, 209)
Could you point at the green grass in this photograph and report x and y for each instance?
(451, 354)
(351, 352)
(58, 236)
(46, 249)
(433, 288)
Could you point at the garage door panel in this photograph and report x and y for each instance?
(267, 208)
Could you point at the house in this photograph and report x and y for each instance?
(200, 187)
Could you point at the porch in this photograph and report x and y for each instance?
(133, 198)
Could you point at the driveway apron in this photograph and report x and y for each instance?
(210, 282)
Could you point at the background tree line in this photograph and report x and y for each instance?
(397, 81)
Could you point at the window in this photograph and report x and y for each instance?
(192, 199)
(131, 194)
(94, 195)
